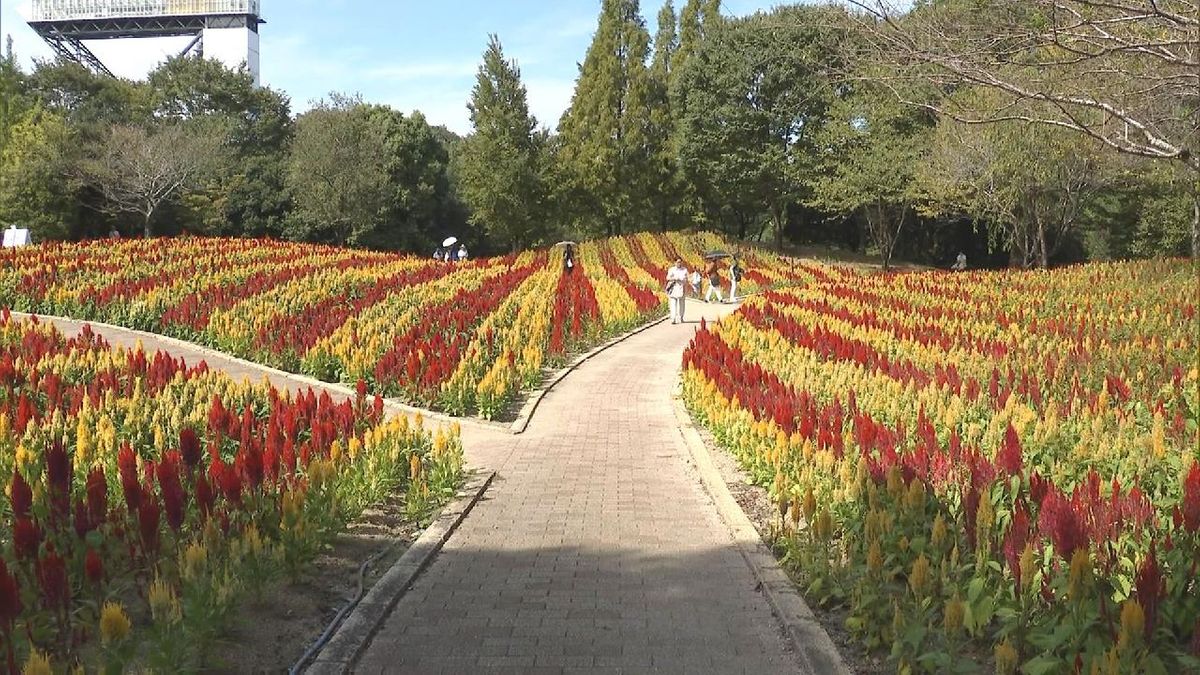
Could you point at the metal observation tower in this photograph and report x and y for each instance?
(226, 30)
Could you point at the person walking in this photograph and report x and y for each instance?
(714, 281)
(696, 279)
(568, 259)
(960, 263)
(677, 278)
(462, 253)
(735, 275)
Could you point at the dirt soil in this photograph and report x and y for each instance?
(758, 507)
(269, 633)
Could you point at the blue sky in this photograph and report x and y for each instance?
(409, 54)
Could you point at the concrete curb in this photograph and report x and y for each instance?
(535, 397)
(813, 646)
(356, 632)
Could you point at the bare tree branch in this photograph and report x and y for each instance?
(1123, 72)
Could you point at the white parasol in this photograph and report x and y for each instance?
(450, 241)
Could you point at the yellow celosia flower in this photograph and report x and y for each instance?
(1007, 658)
(164, 604)
(38, 663)
(1133, 624)
(952, 618)
(114, 623)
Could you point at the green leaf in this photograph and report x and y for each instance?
(974, 589)
(1041, 665)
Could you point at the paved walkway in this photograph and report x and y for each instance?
(595, 550)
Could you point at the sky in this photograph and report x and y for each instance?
(409, 54)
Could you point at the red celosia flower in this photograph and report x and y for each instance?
(52, 577)
(204, 496)
(1191, 499)
(1038, 487)
(174, 498)
(21, 495)
(189, 447)
(149, 516)
(229, 481)
(127, 465)
(93, 566)
(1062, 524)
(58, 468)
(83, 524)
(58, 478)
(97, 495)
(1149, 588)
(10, 598)
(250, 461)
(27, 537)
(1015, 540)
(1008, 459)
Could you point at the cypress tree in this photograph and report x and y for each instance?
(500, 163)
(665, 193)
(604, 152)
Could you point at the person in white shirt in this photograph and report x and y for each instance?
(677, 279)
(462, 253)
(735, 275)
(696, 278)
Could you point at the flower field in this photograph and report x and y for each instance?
(464, 338)
(144, 497)
(983, 471)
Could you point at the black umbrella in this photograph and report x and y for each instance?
(714, 255)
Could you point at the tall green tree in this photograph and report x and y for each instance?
(419, 198)
(758, 91)
(337, 173)
(604, 152)
(13, 101)
(366, 175)
(1028, 185)
(667, 186)
(37, 188)
(249, 198)
(500, 165)
(871, 148)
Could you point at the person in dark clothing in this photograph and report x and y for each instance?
(568, 259)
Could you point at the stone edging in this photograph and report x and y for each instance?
(813, 646)
(535, 397)
(356, 632)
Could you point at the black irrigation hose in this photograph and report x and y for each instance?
(341, 615)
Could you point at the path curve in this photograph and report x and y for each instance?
(596, 548)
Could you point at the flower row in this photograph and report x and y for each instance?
(1003, 461)
(465, 337)
(145, 496)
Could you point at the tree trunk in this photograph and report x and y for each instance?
(1196, 226)
(777, 220)
(146, 226)
(1042, 254)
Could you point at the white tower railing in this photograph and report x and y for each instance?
(66, 10)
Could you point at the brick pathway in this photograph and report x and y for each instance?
(595, 550)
